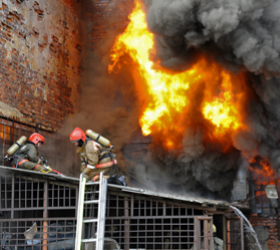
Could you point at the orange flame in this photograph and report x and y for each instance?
(263, 172)
(222, 110)
(167, 95)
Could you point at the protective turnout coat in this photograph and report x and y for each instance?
(27, 157)
(92, 153)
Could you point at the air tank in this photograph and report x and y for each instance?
(16, 145)
(98, 138)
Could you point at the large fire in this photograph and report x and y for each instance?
(166, 96)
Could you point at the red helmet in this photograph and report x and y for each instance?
(35, 138)
(77, 134)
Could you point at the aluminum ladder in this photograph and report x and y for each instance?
(100, 220)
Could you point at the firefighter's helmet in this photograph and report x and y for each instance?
(36, 137)
(214, 230)
(77, 134)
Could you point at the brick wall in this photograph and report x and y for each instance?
(105, 17)
(268, 236)
(41, 46)
(40, 61)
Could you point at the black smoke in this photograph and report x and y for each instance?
(244, 32)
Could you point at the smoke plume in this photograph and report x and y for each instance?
(244, 32)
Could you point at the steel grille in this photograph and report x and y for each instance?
(60, 195)
(152, 233)
(6, 191)
(26, 199)
(25, 193)
(28, 193)
(10, 131)
(138, 222)
(234, 239)
(51, 233)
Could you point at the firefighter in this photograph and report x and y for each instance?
(218, 244)
(26, 156)
(91, 154)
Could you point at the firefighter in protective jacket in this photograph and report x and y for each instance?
(26, 156)
(91, 154)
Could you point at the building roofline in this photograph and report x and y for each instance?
(204, 203)
(63, 178)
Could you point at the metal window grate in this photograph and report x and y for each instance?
(61, 196)
(28, 193)
(51, 233)
(6, 191)
(10, 131)
(139, 222)
(25, 193)
(234, 231)
(25, 200)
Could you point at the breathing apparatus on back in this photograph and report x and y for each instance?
(17, 144)
(99, 139)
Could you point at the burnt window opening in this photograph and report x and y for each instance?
(261, 174)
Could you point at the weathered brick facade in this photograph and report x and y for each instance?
(40, 61)
(106, 16)
(41, 46)
(267, 230)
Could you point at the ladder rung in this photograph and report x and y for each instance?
(91, 202)
(92, 183)
(92, 192)
(89, 240)
(90, 220)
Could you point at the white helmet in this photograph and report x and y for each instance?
(213, 228)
